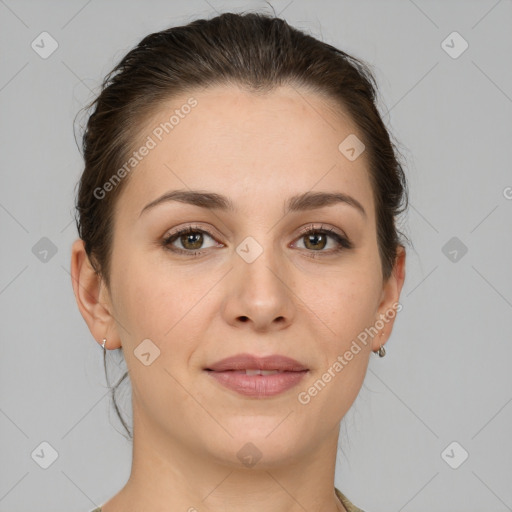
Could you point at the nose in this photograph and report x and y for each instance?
(259, 293)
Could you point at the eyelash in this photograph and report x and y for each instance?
(342, 241)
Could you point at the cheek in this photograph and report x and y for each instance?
(145, 305)
(163, 305)
(350, 309)
(347, 305)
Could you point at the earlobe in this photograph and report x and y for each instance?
(388, 309)
(88, 290)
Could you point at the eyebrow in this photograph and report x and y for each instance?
(298, 203)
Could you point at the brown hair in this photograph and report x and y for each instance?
(254, 51)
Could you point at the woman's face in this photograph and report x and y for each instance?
(247, 280)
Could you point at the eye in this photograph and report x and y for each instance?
(191, 239)
(316, 239)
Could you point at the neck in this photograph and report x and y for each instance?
(169, 474)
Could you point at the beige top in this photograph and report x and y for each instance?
(346, 503)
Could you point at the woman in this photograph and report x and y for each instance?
(238, 243)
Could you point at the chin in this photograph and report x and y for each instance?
(257, 453)
(258, 443)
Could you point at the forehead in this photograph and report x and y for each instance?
(252, 147)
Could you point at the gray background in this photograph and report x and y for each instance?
(446, 376)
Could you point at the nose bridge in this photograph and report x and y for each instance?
(260, 262)
(258, 229)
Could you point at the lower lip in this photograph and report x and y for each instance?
(258, 386)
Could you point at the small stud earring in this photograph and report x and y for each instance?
(381, 351)
(103, 344)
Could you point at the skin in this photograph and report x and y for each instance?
(258, 150)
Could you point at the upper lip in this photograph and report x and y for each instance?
(252, 362)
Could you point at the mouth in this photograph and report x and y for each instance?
(257, 377)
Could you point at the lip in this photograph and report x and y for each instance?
(230, 373)
(252, 362)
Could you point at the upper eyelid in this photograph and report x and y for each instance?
(311, 227)
(188, 228)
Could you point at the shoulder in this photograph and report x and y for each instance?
(96, 510)
(346, 502)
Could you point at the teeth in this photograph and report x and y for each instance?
(261, 372)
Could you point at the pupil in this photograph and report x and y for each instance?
(315, 239)
(190, 237)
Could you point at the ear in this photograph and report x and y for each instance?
(92, 297)
(390, 299)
